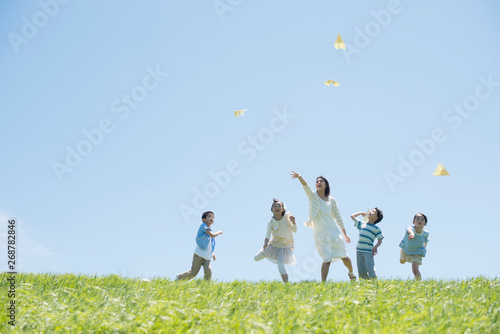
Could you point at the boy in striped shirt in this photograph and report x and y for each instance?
(368, 232)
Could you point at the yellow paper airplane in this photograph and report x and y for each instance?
(329, 82)
(339, 43)
(239, 113)
(440, 170)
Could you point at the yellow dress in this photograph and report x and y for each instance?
(280, 248)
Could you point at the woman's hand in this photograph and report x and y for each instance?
(295, 175)
(292, 219)
(347, 239)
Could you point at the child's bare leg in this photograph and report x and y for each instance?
(402, 258)
(325, 268)
(416, 271)
(347, 263)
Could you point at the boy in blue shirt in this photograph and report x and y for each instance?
(368, 232)
(204, 251)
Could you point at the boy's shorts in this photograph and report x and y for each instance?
(411, 258)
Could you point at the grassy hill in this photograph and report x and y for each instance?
(112, 304)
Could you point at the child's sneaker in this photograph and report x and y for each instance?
(352, 277)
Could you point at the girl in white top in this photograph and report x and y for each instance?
(280, 249)
(325, 220)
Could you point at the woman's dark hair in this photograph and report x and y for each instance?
(380, 216)
(327, 190)
(282, 205)
(425, 217)
(206, 213)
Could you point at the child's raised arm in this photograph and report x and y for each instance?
(354, 215)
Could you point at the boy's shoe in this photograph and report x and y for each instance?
(352, 277)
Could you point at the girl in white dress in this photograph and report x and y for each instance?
(279, 249)
(325, 220)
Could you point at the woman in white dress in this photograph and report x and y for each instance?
(325, 220)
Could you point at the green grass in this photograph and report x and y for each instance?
(112, 304)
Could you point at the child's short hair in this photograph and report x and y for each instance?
(425, 217)
(282, 205)
(206, 213)
(380, 216)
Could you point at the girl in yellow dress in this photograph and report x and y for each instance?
(280, 249)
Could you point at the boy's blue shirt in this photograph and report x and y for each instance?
(202, 238)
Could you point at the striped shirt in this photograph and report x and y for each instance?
(367, 235)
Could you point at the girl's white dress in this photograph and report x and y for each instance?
(326, 222)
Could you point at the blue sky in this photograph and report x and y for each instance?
(144, 94)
